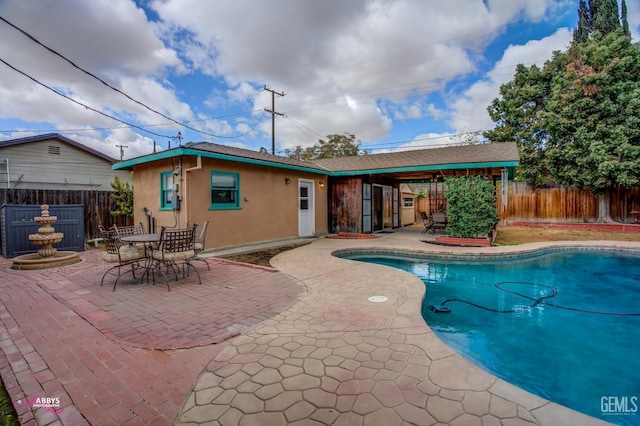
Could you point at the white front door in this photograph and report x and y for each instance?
(306, 226)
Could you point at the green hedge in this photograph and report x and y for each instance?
(471, 206)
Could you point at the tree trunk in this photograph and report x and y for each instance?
(604, 208)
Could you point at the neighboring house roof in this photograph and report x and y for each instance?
(229, 153)
(458, 157)
(455, 157)
(58, 136)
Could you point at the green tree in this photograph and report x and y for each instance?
(592, 118)
(624, 20)
(604, 16)
(581, 34)
(344, 145)
(471, 206)
(123, 197)
(576, 121)
(518, 117)
(601, 16)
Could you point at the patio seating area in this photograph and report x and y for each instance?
(250, 345)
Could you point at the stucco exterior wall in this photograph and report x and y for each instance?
(268, 206)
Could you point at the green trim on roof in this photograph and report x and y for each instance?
(426, 168)
(177, 152)
(128, 164)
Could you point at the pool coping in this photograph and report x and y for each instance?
(545, 412)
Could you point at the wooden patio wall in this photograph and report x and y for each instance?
(554, 204)
(345, 205)
(97, 205)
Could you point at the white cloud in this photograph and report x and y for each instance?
(469, 109)
(320, 52)
(111, 39)
(345, 66)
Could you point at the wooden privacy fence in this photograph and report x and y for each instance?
(97, 205)
(563, 204)
(554, 204)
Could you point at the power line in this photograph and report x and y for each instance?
(301, 127)
(363, 95)
(371, 93)
(110, 86)
(91, 129)
(455, 135)
(78, 102)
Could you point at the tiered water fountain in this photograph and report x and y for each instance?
(47, 256)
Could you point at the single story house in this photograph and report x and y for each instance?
(55, 162)
(249, 196)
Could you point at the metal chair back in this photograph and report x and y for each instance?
(110, 239)
(123, 231)
(201, 236)
(178, 240)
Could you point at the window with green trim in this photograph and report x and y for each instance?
(225, 190)
(166, 190)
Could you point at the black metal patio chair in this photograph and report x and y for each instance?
(200, 238)
(176, 248)
(121, 255)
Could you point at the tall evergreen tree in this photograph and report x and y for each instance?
(604, 16)
(581, 34)
(623, 18)
(601, 16)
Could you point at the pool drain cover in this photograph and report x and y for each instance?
(378, 299)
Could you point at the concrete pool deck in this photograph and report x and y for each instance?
(337, 358)
(250, 346)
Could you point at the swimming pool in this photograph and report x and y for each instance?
(564, 325)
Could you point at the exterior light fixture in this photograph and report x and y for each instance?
(287, 181)
(321, 183)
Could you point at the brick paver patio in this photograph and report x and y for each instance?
(62, 335)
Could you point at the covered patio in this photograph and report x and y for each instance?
(365, 191)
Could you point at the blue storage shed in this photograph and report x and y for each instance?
(16, 224)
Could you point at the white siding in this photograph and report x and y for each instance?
(55, 164)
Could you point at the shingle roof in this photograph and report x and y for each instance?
(58, 136)
(253, 155)
(497, 154)
(456, 155)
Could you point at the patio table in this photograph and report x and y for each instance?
(141, 238)
(149, 241)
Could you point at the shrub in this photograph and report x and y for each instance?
(122, 196)
(471, 206)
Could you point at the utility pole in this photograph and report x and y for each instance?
(122, 147)
(273, 116)
(175, 138)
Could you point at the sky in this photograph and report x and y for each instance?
(401, 74)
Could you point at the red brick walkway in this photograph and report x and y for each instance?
(64, 336)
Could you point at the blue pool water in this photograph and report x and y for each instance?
(579, 347)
